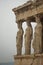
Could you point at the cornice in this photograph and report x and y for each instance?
(27, 6)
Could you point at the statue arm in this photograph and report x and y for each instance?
(31, 32)
(24, 35)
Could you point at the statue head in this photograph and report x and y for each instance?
(19, 25)
(38, 19)
(28, 23)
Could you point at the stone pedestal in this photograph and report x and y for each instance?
(29, 59)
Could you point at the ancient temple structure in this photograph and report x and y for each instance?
(32, 11)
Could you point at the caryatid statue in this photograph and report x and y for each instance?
(37, 42)
(19, 38)
(28, 38)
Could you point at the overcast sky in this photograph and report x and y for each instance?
(8, 29)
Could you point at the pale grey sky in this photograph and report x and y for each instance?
(8, 29)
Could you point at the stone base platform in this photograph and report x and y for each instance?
(36, 59)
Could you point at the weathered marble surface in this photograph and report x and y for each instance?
(19, 39)
(37, 42)
(29, 11)
(28, 38)
(29, 59)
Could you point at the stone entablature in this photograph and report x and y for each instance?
(27, 10)
(29, 5)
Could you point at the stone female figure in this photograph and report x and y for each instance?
(28, 38)
(19, 39)
(37, 42)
